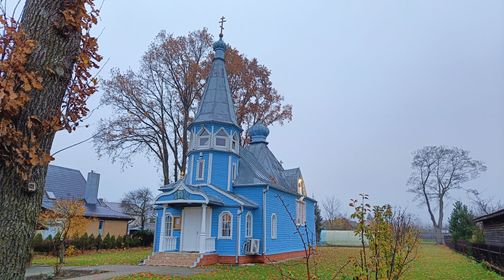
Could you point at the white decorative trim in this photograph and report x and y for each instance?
(229, 174)
(249, 214)
(180, 186)
(219, 234)
(198, 169)
(225, 147)
(182, 230)
(210, 163)
(226, 194)
(209, 138)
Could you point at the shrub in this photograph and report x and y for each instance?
(71, 251)
(143, 238)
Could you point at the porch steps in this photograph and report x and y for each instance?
(174, 259)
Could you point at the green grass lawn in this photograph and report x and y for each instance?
(434, 262)
(129, 256)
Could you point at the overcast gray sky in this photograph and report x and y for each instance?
(370, 82)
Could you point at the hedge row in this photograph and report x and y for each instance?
(85, 242)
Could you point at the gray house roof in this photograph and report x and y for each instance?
(66, 183)
(217, 104)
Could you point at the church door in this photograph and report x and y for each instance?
(191, 229)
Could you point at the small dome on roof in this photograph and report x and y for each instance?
(258, 133)
(219, 45)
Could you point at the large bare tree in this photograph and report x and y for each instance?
(138, 203)
(153, 107)
(436, 172)
(44, 85)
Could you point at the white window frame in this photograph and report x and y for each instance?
(226, 139)
(168, 215)
(249, 226)
(234, 171)
(274, 226)
(101, 225)
(300, 212)
(200, 162)
(219, 234)
(235, 141)
(200, 136)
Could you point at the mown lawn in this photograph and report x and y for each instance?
(129, 256)
(434, 262)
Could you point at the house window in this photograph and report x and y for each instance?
(203, 138)
(248, 225)
(221, 138)
(225, 225)
(273, 226)
(100, 227)
(200, 173)
(234, 142)
(300, 212)
(168, 224)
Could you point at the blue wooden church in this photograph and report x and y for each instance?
(231, 207)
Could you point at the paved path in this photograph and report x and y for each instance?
(119, 270)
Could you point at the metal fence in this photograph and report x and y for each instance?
(492, 255)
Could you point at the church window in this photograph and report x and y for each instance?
(168, 225)
(301, 187)
(221, 138)
(300, 212)
(248, 225)
(233, 171)
(234, 142)
(273, 226)
(204, 138)
(200, 173)
(225, 225)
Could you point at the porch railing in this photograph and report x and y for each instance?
(169, 243)
(210, 244)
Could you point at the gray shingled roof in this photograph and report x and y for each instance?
(258, 165)
(216, 104)
(68, 183)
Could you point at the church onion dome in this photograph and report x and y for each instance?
(258, 133)
(220, 48)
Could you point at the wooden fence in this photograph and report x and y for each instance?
(492, 255)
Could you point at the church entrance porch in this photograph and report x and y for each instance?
(186, 228)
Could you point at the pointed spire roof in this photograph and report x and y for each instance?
(216, 105)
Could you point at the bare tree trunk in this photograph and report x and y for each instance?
(56, 50)
(439, 233)
(185, 146)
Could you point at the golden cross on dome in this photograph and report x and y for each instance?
(222, 20)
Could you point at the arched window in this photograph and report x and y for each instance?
(234, 142)
(221, 138)
(204, 138)
(273, 226)
(248, 225)
(225, 225)
(168, 225)
(301, 187)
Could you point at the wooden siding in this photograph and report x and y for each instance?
(493, 229)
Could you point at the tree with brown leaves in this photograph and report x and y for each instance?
(68, 217)
(155, 105)
(45, 80)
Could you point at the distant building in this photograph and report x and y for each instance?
(64, 183)
(493, 227)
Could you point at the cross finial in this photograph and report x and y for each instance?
(222, 20)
